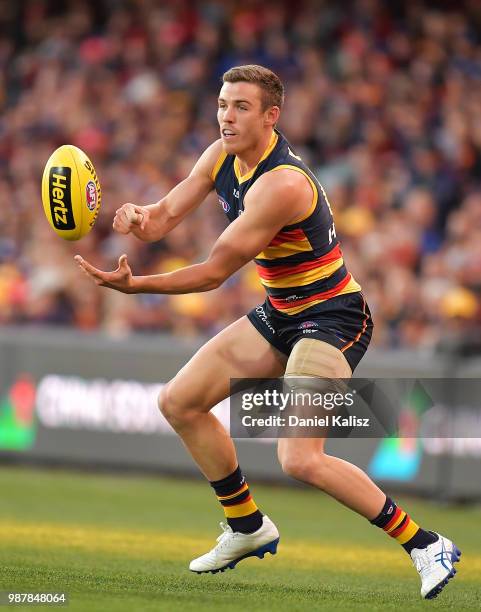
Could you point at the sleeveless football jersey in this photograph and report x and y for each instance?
(303, 264)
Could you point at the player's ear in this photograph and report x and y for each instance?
(271, 115)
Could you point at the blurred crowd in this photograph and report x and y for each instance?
(383, 101)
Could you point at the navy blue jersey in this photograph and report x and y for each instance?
(303, 264)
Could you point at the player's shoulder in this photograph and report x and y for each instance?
(281, 192)
(212, 153)
(214, 149)
(209, 160)
(286, 179)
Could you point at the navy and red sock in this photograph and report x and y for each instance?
(400, 526)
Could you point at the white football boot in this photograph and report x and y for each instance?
(435, 565)
(234, 546)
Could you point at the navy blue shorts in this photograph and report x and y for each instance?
(344, 321)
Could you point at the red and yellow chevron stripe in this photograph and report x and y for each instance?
(347, 285)
(286, 243)
(301, 274)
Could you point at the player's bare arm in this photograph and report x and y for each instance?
(153, 222)
(274, 201)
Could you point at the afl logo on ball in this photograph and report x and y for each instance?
(91, 193)
(225, 205)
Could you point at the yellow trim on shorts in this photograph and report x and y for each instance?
(315, 193)
(363, 328)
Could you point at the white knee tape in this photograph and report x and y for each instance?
(312, 357)
(301, 382)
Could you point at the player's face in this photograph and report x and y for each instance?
(241, 118)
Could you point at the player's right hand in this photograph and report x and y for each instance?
(130, 217)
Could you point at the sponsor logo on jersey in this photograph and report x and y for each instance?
(225, 205)
(91, 194)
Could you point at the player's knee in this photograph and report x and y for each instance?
(297, 466)
(311, 467)
(175, 411)
(165, 403)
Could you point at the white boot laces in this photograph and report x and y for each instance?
(422, 561)
(225, 536)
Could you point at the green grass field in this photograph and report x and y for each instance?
(124, 543)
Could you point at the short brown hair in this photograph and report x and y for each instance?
(268, 81)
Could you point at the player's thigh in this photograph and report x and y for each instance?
(311, 357)
(238, 351)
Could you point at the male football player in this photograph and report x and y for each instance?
(280, 217)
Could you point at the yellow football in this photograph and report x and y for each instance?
(71, 193)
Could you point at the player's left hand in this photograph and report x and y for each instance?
(120, 279)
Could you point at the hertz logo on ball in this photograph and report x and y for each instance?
(59, 187)
(71, 192)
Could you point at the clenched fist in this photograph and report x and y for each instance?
(130, 217)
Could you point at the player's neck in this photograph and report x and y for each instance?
(247, 160)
